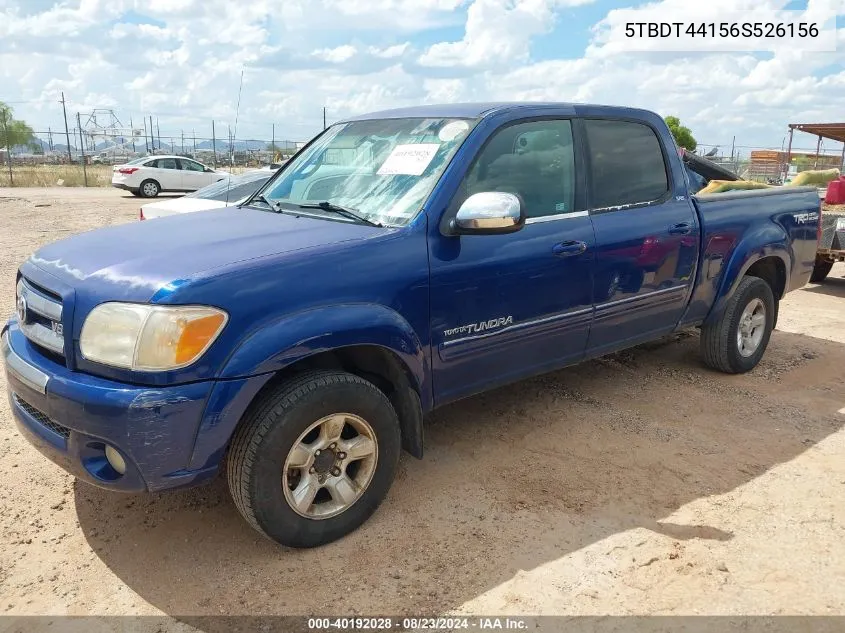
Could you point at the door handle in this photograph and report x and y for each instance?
(680, 229)
(569, 248)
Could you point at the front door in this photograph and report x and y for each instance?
(646, 236)
(508, 306)
(194, 175)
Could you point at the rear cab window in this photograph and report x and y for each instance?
(627, 164)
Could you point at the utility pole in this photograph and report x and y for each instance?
(152, 136)
(82, 150)
(194, 133)
(50, 138)
(132, 133)
(183, 142)
(324, 117)
(213, 145)
(158, 133)
(231, 146)
(273, 146)
(67, 133)
(8, 151)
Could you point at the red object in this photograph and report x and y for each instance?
(128, 170)
(836, 191)
(141, 215)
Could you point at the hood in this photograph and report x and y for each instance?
(133, 261)
(180, 205)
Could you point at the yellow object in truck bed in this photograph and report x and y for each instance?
(721, 186)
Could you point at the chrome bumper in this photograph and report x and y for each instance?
(20, 369)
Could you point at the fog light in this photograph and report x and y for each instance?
(115, 459)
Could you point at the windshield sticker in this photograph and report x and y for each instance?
(408, 160)
(453, 130)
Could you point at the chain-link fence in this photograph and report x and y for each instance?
(770, 165)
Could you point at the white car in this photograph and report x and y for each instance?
(230, 191)
(149, 176)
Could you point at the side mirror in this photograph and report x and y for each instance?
(489, 212)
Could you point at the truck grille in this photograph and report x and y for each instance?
(42, 418)
(39, 313)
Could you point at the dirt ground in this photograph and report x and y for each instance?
(640, 483)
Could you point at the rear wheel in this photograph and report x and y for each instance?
(315, 458)
(820, 270)
(737, 341)
(149, 189)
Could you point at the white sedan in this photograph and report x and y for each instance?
(149, 176)
(230, 191)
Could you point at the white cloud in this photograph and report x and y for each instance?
(336, 55)
(497, 32)
(357, 55)
(390, 52)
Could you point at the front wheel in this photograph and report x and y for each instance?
(737, 341)
(315, 458)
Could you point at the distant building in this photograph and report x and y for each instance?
(766, 163)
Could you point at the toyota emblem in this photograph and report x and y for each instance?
(21, 309)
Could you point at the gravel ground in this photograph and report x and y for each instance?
(641, 483)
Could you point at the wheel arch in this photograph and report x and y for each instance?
(367, 340)
(376, 364)
(769, 262)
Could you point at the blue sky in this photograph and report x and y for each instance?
(181, 60)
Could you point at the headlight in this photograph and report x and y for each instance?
(149, 338)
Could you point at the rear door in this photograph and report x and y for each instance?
(168, 174)
(647, 234)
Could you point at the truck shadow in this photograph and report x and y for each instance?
(832, 286)
(512, 480)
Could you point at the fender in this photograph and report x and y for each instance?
(766, 241)
(295, 336)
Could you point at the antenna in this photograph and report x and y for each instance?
(237, 111)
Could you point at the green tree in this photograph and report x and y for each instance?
(683, 135)
(12, 131)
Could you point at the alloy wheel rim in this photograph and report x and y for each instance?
(752, 326)
(330, 466)
(149, 189)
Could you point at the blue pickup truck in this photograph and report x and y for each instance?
(400, 261)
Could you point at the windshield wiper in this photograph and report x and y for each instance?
(270, 203)
(344, 211)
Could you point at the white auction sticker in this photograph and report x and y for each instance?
(408, 160)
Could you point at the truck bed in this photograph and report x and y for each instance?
(732, 218)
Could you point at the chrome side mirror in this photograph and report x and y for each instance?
(489, 212)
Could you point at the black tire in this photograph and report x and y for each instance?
(719, 346)
(135, 192)
(149, 189)
(269, 430)
(820, 270)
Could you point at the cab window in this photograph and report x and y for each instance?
(534, 161)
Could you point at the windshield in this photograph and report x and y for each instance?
(233, 188)
(382, 169)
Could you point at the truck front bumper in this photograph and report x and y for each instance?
(73, 417)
